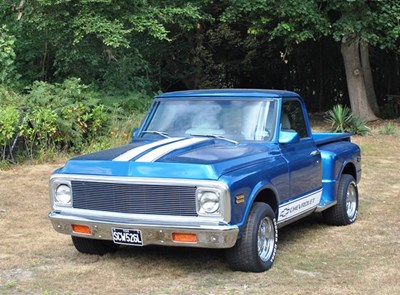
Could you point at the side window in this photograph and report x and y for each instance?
(292, 118)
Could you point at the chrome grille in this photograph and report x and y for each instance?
(134, 198)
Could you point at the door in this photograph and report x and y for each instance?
(303, 157)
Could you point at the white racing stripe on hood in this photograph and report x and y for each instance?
(141, 149)
(166, 149)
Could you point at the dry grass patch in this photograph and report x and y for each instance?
(312, 257)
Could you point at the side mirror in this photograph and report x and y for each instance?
(286, 137)
(135, 133)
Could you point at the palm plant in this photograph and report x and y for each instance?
(339, 117)
(343, 120)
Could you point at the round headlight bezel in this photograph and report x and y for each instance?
(209, 202)
(63, 195)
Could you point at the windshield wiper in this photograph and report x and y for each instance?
(220, 137)
(161, 133)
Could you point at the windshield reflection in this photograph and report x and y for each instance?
(231, 119)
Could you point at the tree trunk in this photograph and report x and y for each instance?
(368, 80)
(192, 77)
(20, 9)
(350, 49)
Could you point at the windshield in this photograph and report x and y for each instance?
(233, 119)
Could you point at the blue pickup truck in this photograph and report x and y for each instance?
(211, 169)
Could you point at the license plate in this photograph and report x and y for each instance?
(127, 236)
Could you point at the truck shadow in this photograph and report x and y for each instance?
(186, 259)
(297, 230)
(197, 259)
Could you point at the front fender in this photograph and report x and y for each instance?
(257, 191)
(245, 185)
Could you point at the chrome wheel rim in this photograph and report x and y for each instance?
(351, 200)
(266, 239)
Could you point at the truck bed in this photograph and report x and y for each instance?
(324, 138)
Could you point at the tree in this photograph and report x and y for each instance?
(355, 23)
(8, 74)
(96, 40)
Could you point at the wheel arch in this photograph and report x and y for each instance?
(266, 194)
(349, 168)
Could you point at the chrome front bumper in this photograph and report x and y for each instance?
(218, 235)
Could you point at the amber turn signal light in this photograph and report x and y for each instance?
(82, 229)
(184, 237)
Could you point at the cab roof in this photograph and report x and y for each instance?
(228, 93)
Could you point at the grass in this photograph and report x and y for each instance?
(10, 284)
(312, 257)
(388, 129)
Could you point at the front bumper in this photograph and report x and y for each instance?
(218, 235)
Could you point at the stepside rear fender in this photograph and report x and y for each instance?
(338, 158)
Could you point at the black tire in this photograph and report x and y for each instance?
(91, 246)
(346, 210)
(245, 255)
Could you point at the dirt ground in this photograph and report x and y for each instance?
(312, 257)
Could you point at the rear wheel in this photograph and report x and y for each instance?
(346, 210)
(255, 251)
(91, 246)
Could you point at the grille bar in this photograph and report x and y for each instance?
(134, 198)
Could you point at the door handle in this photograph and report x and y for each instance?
(315, 153)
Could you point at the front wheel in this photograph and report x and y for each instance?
(256, 249)
(346, 210)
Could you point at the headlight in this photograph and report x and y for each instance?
(63, 195)
(208, 202)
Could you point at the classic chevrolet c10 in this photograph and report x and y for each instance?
(211, 169)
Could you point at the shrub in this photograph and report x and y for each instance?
(388, 129)
(9, 119)
(8, 74)
(39, 129)
(76, 117)
(342, 120)
(68, 116)
(358, 126)
(132, 102)
(129, 73)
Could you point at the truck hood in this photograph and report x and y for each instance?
(186, 158)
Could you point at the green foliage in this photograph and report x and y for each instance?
(293, 20)
(52, 117)
(388, 129)
(128, 50)
(101, 41)
(110, 31)
(339, 117)
(7, 57)
(9, 119)
(65, 115)
(122, 105)
(39, 129)
(372, 21)
(358, 126)
(297, 20)
(342, 120)
(120, 131)
(10, 284)
(129, 73)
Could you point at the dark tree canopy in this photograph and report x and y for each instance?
(329, 51)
